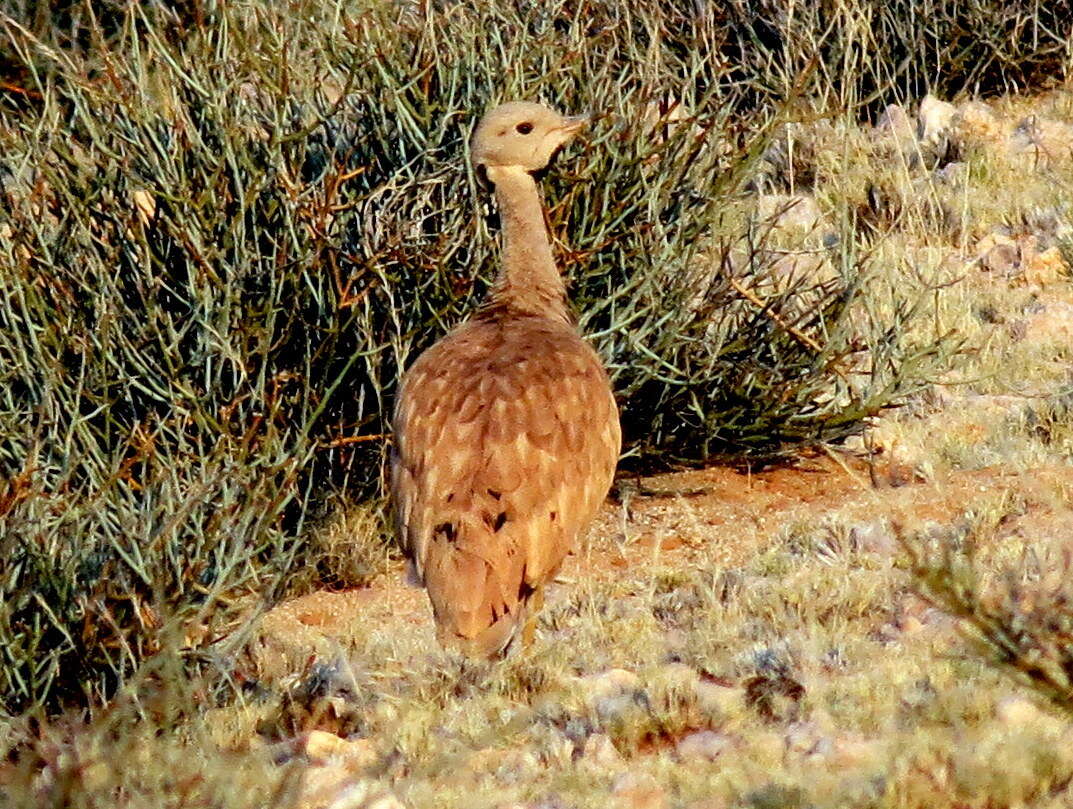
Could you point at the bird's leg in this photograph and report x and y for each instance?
(536, 601)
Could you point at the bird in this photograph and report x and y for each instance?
(506, 432)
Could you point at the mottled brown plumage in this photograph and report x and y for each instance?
(506, 431)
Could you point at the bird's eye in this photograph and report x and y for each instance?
(524, 128)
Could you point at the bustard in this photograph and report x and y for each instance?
(506, 430)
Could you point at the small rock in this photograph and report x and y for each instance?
(1019, 712)
(385, 800)
(677, 676)
(600, 752)
(854, 752)
(1002, 259)
(934, 120)
(1050, 224)
(875, 537)
(887, 634)
(910, 625)
(509, 763)
(719, 700)
(793, 212)
(953, 173)
(321, 747)
(894, 135)
(618, 708)
(1042, 142)
(637, 791)
(1045, 268)
(703, 744)
(604, 684)
(806, 739)
(766, 745)
(1053, 324)
(322, 789)
(1017, 330)
(975, 123)
(895, 120)
(915, 614)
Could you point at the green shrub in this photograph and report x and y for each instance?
(844, 52)
(1016, 613)
(227, 227)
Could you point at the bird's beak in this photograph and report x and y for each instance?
(570, 126)
(572, 123)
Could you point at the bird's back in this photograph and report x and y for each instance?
(506, 439)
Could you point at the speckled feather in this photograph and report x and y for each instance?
(506, 439)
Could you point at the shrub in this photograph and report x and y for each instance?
(227, 227)
(1017, 614)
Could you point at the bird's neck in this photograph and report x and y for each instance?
(528, 279)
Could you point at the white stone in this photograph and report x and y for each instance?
(895, 120)
(875, 536)
(934, 120)
(718, 699)
(600, 752)
(604, 684)
(704, 744)
(791, 212)
(1018, 711)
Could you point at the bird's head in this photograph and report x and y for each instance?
(522, 135)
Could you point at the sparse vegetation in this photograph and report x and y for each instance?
(1018, 612)
(224, 228)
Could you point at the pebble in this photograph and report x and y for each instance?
(794, 212)
(854, 752)
(1045, 268)
(718, 699)
(677, 676)
(321, 747)
(1002, 259)
(604, 684)
(896, 121)
(323, 789)
(934, 120)
(600, 752)
(875, 537)
(1041, 142)
(976, 123)
(637, 791)
(807, 739)
(953, 173)
(705, 745)
(1019, 712)
(1054, 323)
(612, 709)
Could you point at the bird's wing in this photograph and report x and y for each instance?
(506, 439)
